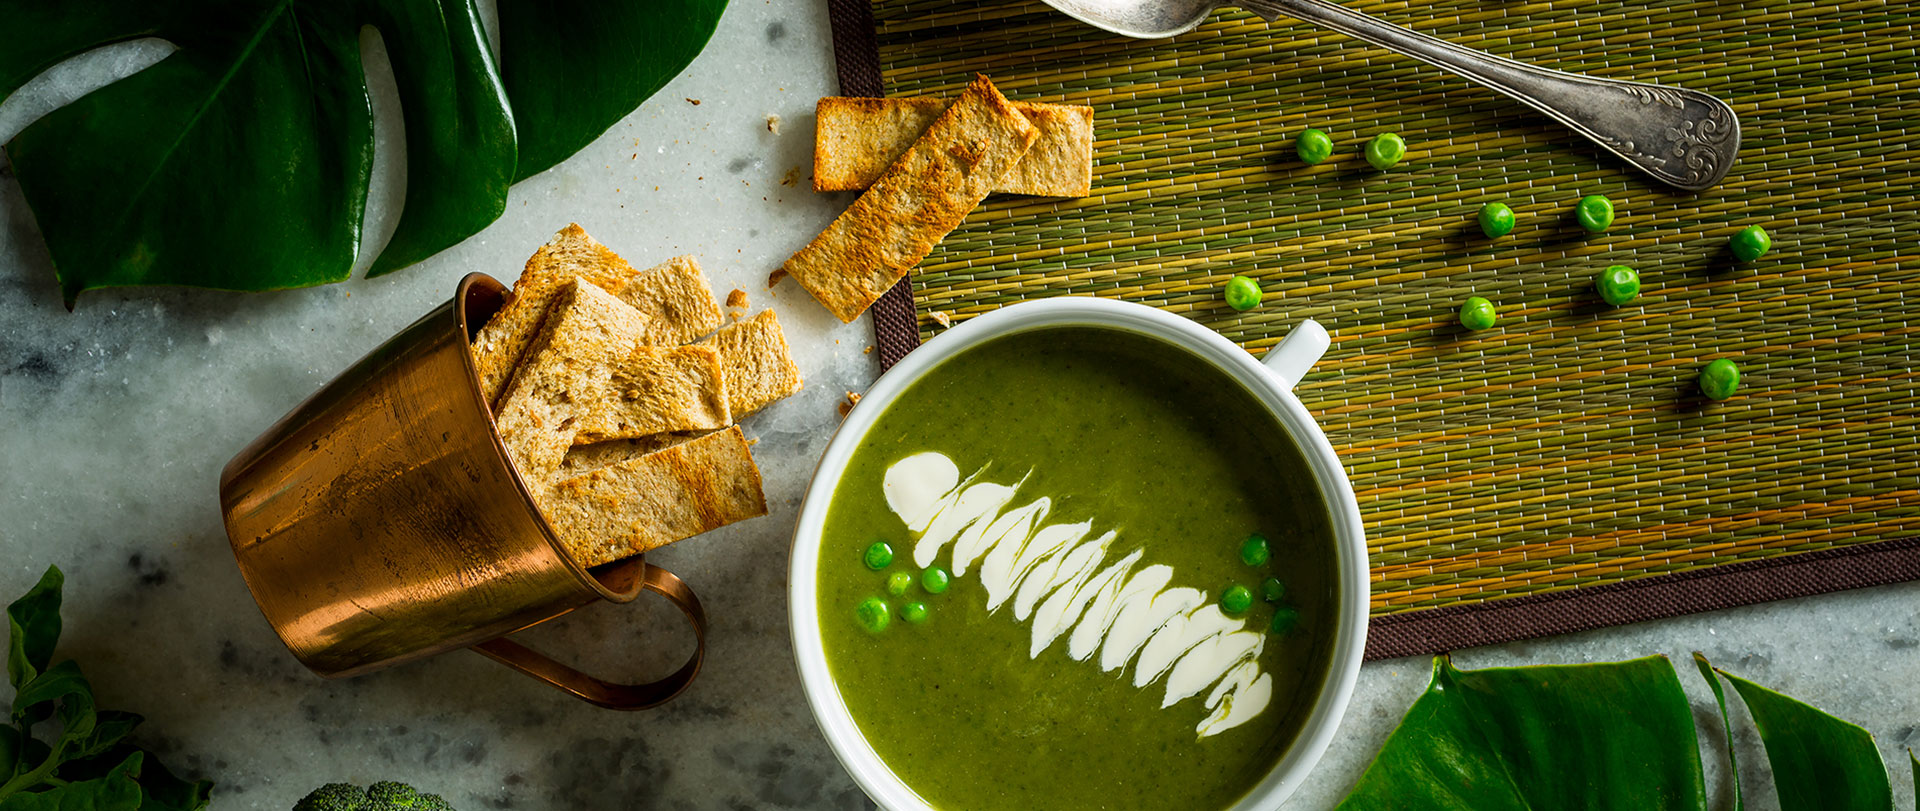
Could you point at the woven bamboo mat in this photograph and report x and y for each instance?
(1560, 471)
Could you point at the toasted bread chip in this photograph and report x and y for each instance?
(571, 254)
(583, 459)
(759, 369)
(858, 138)
(537, 414)
(915, 202)
(645, 503)
(654, 390)
(676, 300)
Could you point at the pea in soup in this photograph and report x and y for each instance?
(1040, 584)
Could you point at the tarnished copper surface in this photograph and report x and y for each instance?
(381, 521)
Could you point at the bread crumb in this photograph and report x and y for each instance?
(775, 277)
(694, 102)
(940, 317)
(773, 123)
(737, 299)
(752, 442)
(847, 405)
(868, 350)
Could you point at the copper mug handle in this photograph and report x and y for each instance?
(604, 693)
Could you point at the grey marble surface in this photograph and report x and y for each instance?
(116, 419)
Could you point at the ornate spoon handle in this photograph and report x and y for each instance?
(1684, 138)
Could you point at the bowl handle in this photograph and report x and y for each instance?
(1298, 352)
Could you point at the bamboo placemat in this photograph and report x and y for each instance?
(1558, 472)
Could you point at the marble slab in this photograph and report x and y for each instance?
(116, 419)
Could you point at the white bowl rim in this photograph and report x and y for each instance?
(836, 722)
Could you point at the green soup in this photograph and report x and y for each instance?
(1122, 434)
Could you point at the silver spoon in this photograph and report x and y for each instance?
(1684, 138)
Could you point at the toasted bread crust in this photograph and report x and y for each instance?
(914, 203)
(759, 367)
(571, 254)
(645, 503)
(537, 413)
(856, 139)
(676, 299)
(654, 390)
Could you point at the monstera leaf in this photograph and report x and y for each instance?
(241, 161)
(1614, 735)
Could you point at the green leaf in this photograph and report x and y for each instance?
(571, 71)
(241, 161)
(117, 791)
(1726, 723)
(10, 751)
(1551, 736)
(1818, 761)
(1916, 776)
(161, 790)
(63, 685)
(33, 628)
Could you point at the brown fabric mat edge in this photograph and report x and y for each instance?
(1658, 597)
(856, 58)
(896, 332)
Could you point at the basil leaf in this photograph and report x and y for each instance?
(117, 791)
(33, 628)
(570, 66)
(1551, 736)
(1818, 761)
(241, 161)
(1726, 723)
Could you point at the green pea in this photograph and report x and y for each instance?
(1385, 150)
(1314, 146)
(873, 614)
(1272, 590)
(898, 583)
(1236, 599)
(914, 612)
(1478, 314)
(878, 556)
(1254, 551)
(935, 580)
(1595, 213)
(1618, 284)
(1496, 220)
(1243, 294)
(1750, 243)
(1283, 621)
(1719, 379)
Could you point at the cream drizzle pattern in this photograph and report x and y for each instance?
(1053, 575)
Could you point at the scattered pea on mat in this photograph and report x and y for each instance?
(1618, 284)
(1236, 599)
(934, 580)
(1478, 314)
(898, 583)
(1314, 146)
(1385, 151)
(1254, 551)
(878, 556)
(914, 612)
(873, 614)
(1272, 590)
(1750, 243)
(1719, 379)
(1496, 220)
(1243, 294)
(1595, 213)
(1283, 620)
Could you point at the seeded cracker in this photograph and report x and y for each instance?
(915, 203)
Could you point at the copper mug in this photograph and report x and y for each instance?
(381, 521)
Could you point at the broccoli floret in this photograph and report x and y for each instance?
(385, 795)
(334, 797)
